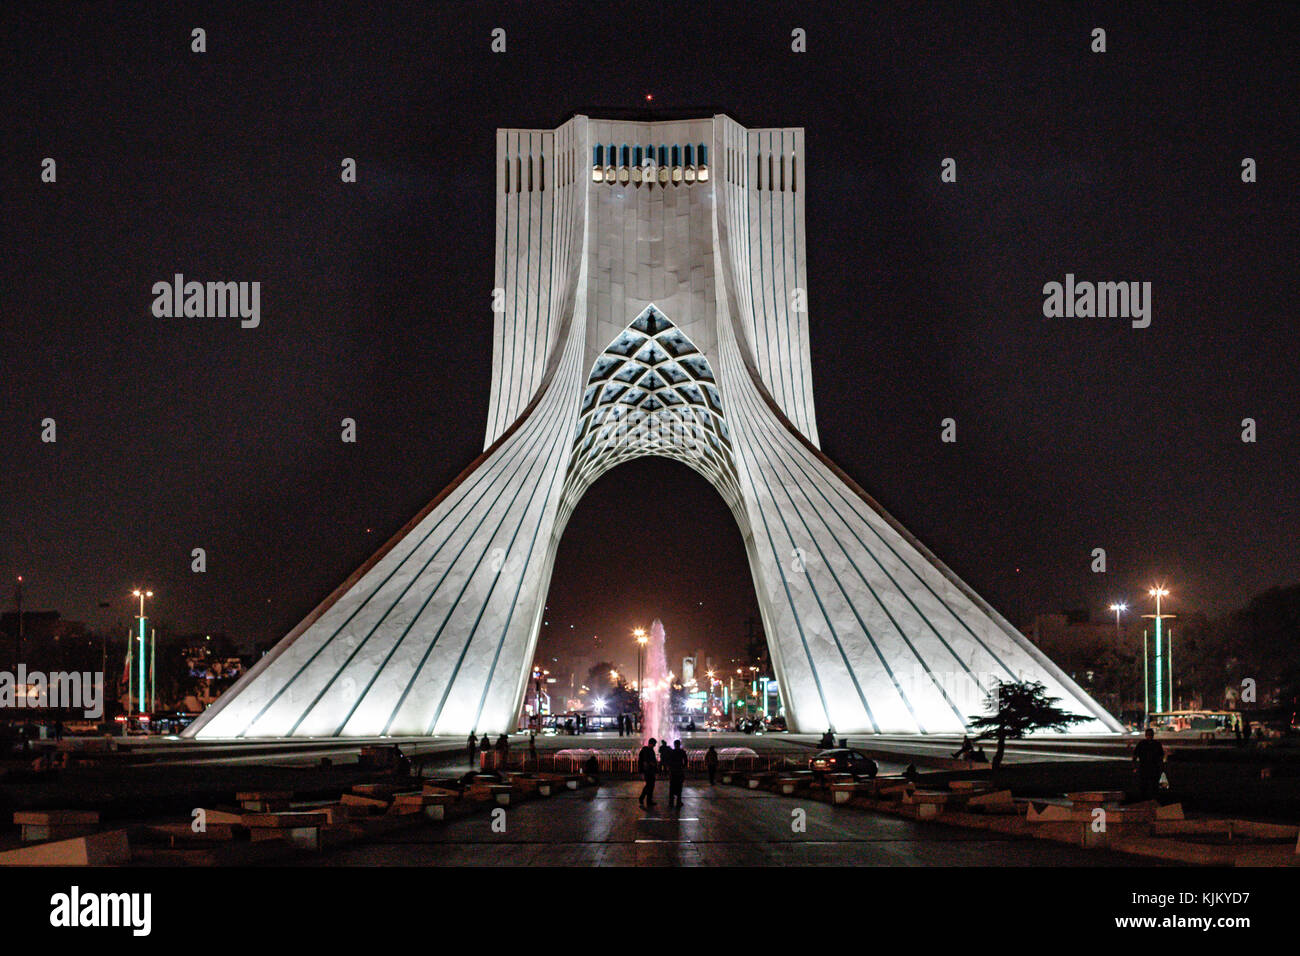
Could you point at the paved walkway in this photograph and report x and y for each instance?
(721, 825)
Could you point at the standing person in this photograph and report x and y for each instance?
(711, 763)
(664, 751)
(1149, 760)
(676, 773)
(503, 752)
(471, 748)
(645, 761)
(532, 752)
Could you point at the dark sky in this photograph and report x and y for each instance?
(925, 298)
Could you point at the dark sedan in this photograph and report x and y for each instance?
(842, 760)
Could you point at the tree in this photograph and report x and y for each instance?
(618, 696)
(1017, 708)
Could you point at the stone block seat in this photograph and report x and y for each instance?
(38, 825)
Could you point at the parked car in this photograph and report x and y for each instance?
(842, 760)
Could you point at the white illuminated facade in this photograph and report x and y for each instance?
(651, 300)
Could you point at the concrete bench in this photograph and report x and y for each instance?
(432, 805)
(991, 801)
(492, 790)
(264, 801)
(183, 834)
(790, 783)
(383, 791)
(99, 849)
(928, 803)
(842, 791)
(300, 828)
(1094, 798)
(368, 804)
(548, 783)
(524, 782)
(56, 824)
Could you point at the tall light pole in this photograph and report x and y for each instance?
(639, 634)
(1118, 609)
(1159, 592)
(18, 602)
(143, 620)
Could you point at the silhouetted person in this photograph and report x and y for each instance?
(828, 741)
(503, 752)
(592, 768)
(1149, 757)
(532, 751)
(967, 750)
(676, 773)
(664, 750)
(646, 764)
(471, 747)
(711, 763)
(401, 762)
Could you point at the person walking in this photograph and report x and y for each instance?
(646, 763)
(711, 763)
(471, 747)
(676, 773)
(1148, 760)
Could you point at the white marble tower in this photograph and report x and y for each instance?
(650, 299)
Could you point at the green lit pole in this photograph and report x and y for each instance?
(143, 622)
(153, 670)
(1158, 593)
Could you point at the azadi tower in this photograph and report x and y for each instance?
(650, 300)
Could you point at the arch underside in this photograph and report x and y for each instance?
(868, 632)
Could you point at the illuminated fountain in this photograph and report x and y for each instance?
(656, 689)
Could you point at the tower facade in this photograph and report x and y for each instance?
(650, 299)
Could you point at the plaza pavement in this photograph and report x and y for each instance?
(717, 826)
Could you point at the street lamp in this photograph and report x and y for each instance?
(1158, 592)
(1118, 608)
(639, 634)
(140, 694)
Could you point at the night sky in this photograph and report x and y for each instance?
(925, 298)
